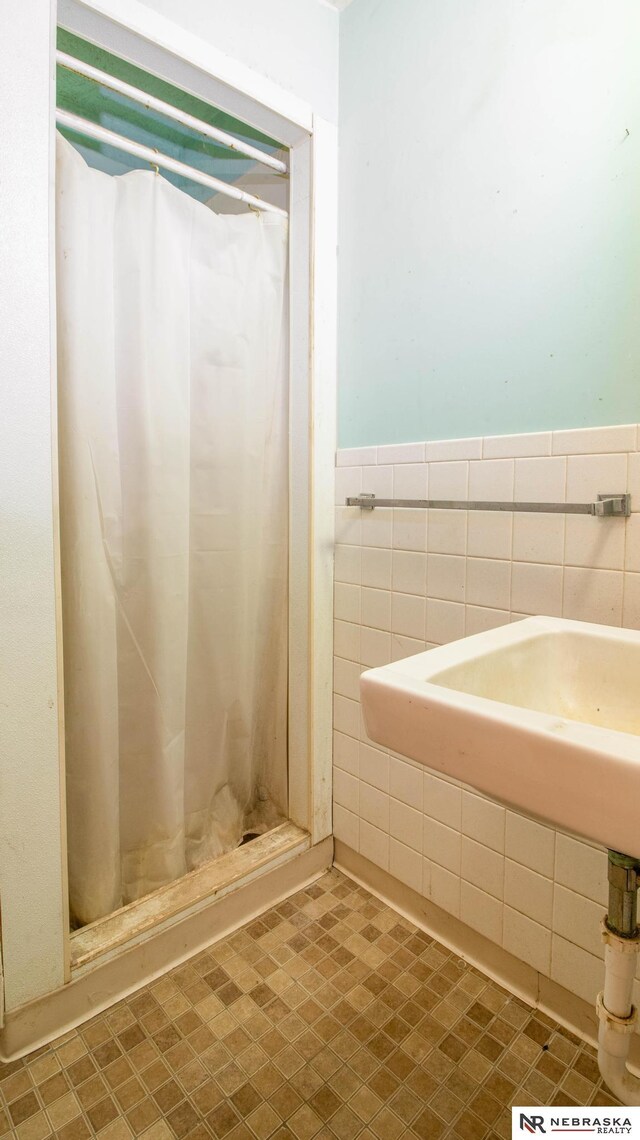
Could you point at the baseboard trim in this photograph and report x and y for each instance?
(522, 980)
(108, 980)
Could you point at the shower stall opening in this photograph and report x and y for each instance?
(174, 438)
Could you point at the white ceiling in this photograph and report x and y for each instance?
(339, 4)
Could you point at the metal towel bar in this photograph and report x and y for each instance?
(609, 505)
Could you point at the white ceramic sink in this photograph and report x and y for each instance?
(543, 714)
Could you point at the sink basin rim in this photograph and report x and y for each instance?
(419, 673)
(580, 777)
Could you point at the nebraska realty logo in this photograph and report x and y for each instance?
(601, 1121)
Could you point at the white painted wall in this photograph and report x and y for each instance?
(295, 44)
(292, 42)
(31, 890)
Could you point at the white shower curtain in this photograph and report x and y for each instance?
(173, 484)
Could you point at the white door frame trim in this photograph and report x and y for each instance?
(131, 30)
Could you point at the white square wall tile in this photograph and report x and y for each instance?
(481, 912)
(479, 618)
(405, 824)
(632, 546)
(348, 481)
(528, 892)
(633, 479)
(374, 845)
(512, 446)
(402, 646)
(594, 542)
(445, 621)
(347, 564)
(409, 572)
(591, 475)
(345, 790)
(489, 534)
(447, 532)
(376, 568)
(537, 589)
(442, 887)
(442, 801)
(345, 753)
(375, 647)
(376, 527)
(448, 480)
(578, 920)
(409, 529)
(538, 538)
(529, 843)
(593, 595)
(364, 737)
(410, 481)
(401, 453)
(408, 615)
(405, 782)
(374, 766)
(483, 820)
(405, 865)
(442, 845)
(631, 607)
(376, 608)
(426, 878)
(346, 716)
(491, 479)
(346, 606)
(540, 480)
(348, 526)
(579, 972)
(482, 867)
(622, 437)
(374, 806)
(446, 577)
(488, 583)
(346, 678)
(355, 456)
(346, 640)
(378, 481)
(441, 450)
(346, 827)
(582, 868)
(527, 940)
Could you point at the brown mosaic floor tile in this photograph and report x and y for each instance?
(63, 1110)
(102, 1113)
(263, 1121)
(329, 1018)
(142, 1116)
(222, 1119)
(24, 1107)
(77, 1129)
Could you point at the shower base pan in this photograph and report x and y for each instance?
(185, 896)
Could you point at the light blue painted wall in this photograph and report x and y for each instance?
(489, 217)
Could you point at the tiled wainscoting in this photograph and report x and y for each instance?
(408, 580)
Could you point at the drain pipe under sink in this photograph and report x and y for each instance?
(616, 1012)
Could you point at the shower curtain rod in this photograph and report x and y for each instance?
(159, 105)
(154, 158)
